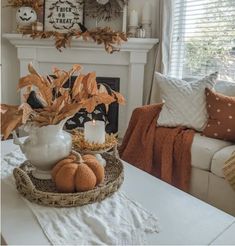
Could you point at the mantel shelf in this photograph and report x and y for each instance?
(133, 44)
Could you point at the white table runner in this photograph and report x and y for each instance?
(116, 220)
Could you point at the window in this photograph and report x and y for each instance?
(203, 39)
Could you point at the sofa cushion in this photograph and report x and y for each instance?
(185, 103)
(221, 112)
(203, 150)
(219, 158)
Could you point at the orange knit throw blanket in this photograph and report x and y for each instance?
(162, 152)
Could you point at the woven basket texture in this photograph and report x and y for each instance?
(43, 192)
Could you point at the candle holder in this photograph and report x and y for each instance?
(82, 146)
(147, 26)
(132, 30)
(140, 32)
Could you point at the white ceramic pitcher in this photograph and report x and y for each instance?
(44, 147)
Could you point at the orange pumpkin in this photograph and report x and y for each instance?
(76, 173)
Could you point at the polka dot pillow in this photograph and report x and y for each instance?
(221, 113)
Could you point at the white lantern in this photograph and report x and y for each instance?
(25, 16)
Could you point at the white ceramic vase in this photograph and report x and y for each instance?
(44, 147)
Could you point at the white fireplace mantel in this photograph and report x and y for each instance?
(133, 44)
(128, 64)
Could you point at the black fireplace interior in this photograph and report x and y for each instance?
(111, 117)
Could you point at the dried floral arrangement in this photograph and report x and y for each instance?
(105, 36)
(106, 10)
(81, 145)
(35, 4)
(58, 103)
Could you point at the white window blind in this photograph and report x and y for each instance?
(203, 39)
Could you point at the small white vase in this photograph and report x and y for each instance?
(44, 147)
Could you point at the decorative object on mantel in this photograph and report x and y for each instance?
(64, 19)
(103, 13)
(147, 19)
(147, 12)
(105, 36)
(133, 23)
(37, 27)
(145, 29)
(44, 192)
(104, 9)
(77, 174)
(140, 32)
(132, 30)
(63, 15)
(46, 145)
(147, 26)
(25, 17)
(26, 13)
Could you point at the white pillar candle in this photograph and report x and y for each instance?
(133, 18)
(124, 24)
(94, 132)
(146, 14)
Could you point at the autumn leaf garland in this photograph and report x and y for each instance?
(106, 36)
(59, 102)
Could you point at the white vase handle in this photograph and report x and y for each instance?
(16, 141)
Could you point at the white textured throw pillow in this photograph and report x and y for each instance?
(185, 102)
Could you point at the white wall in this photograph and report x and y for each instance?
(10, 64)
(138, 5)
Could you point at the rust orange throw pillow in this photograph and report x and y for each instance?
(221, 112)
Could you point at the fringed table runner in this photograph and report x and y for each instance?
(116, 220)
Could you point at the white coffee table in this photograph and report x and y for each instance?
(183, 219)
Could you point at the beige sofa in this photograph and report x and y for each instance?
(208, 158)
(207, 178)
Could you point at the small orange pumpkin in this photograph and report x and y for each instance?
(76, 173)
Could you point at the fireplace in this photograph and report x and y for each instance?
(128, 65)
(111, 117)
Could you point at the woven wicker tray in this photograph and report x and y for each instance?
(44, 192)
